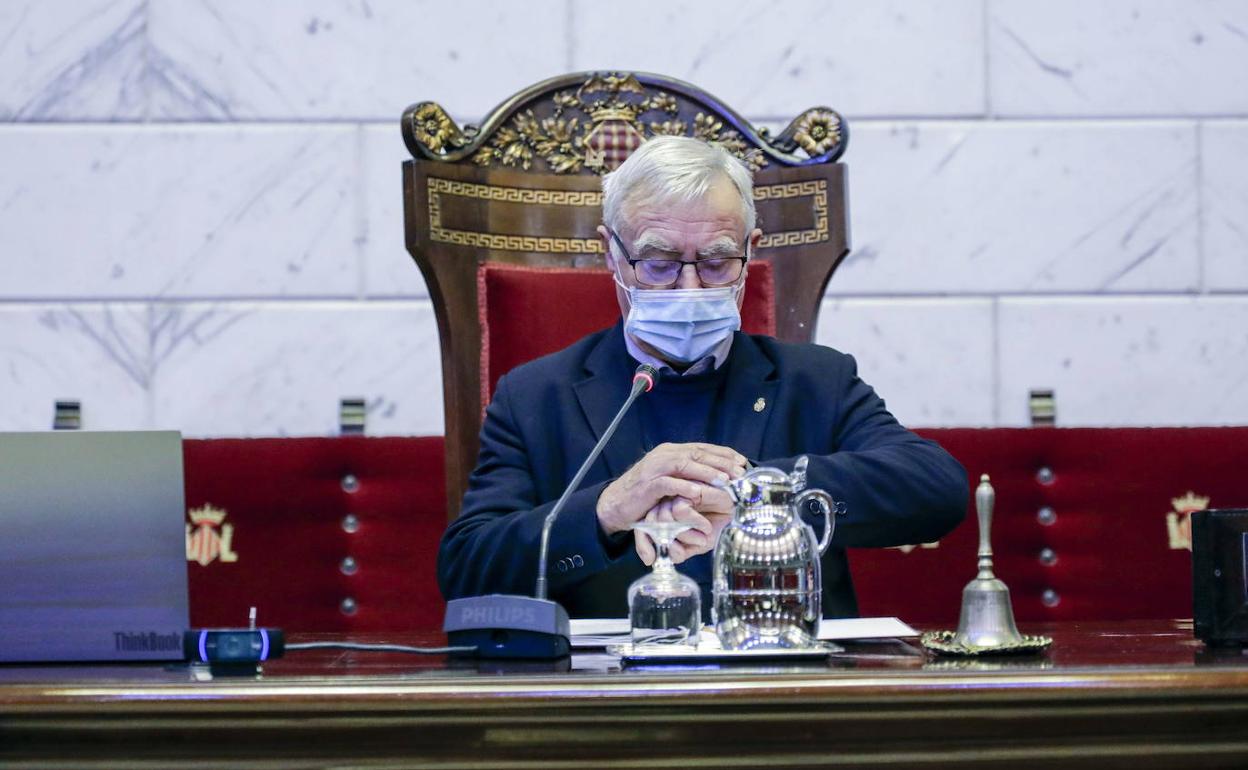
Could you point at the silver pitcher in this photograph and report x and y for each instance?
(767, 584)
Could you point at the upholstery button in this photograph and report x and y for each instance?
(350, 523)
(1046, 516)
(347, 606)
(350, 483)
(577, 561)
(1048, 557)
(1045, 475)
(348, 566)
(1050, 598)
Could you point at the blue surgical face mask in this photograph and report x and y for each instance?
(682, 325)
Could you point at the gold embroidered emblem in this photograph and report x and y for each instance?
(760, 404)
(207, 538)
(1179, 521)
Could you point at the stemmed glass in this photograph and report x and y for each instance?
(664, 607)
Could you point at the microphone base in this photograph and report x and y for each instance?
(504, 626)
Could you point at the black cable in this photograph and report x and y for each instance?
(377, 648)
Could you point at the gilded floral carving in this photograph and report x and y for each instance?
(711, 129)
(669, 128)
(561, 144)
(434, 129)
(565, 100)
(585, 128)
(817, 131)
(594, 126)
(613, 83)
(662, 101)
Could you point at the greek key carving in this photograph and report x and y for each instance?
(815, 189)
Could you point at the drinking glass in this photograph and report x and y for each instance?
(664, 607)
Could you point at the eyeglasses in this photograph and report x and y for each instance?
(665, 273)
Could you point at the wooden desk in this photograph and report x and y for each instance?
(1137, 694)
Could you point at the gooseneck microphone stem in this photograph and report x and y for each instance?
(643, 381)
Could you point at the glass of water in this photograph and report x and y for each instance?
(664, 607)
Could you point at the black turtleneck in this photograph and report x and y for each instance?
(680, 409)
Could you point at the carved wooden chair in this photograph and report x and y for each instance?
(501, 220)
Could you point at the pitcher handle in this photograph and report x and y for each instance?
(798, 477)
(828, 505)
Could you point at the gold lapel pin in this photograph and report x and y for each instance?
(760, 404)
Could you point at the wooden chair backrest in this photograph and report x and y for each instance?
(523, 188)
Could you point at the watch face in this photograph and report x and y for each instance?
(1220, 575)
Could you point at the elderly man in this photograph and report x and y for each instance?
(679, 231)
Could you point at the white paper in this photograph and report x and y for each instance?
(864, 628)
(599, 632)
(708, 650)
(596, 626)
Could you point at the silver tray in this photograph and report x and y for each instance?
(706, 653)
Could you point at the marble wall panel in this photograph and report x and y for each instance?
(72, 60)
(368, 59)
(1133, 57)
(891, 58)
(280, 369)
(168, 211)
(1127, 361)
(240, 279)
(388, 269)
(95, 354)
(931, 360)
(1021, 207)
(1224, 195)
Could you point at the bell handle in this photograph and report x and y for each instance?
(985, 498)
(828, 505)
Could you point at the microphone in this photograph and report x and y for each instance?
(502, 626)
(643, 381)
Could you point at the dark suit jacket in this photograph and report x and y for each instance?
(547, 414)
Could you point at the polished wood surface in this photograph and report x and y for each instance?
(1139, 694)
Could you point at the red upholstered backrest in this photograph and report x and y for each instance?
(286, 503)
(527, 312)
(1111, 517)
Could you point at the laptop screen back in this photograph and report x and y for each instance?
(92, 546)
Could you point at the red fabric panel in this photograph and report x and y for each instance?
(1111, 491)
(285, 500)
(527, 312)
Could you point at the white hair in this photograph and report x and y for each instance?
(673, 168)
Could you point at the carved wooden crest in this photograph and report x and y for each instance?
(588, 123)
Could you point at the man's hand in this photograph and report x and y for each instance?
(670, 471)
(699, 539)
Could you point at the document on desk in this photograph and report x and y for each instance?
(599, 632)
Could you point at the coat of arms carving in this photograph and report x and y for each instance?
(1179, 520)
(208, 538)
(591, 122)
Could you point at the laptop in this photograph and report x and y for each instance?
(92, 547)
